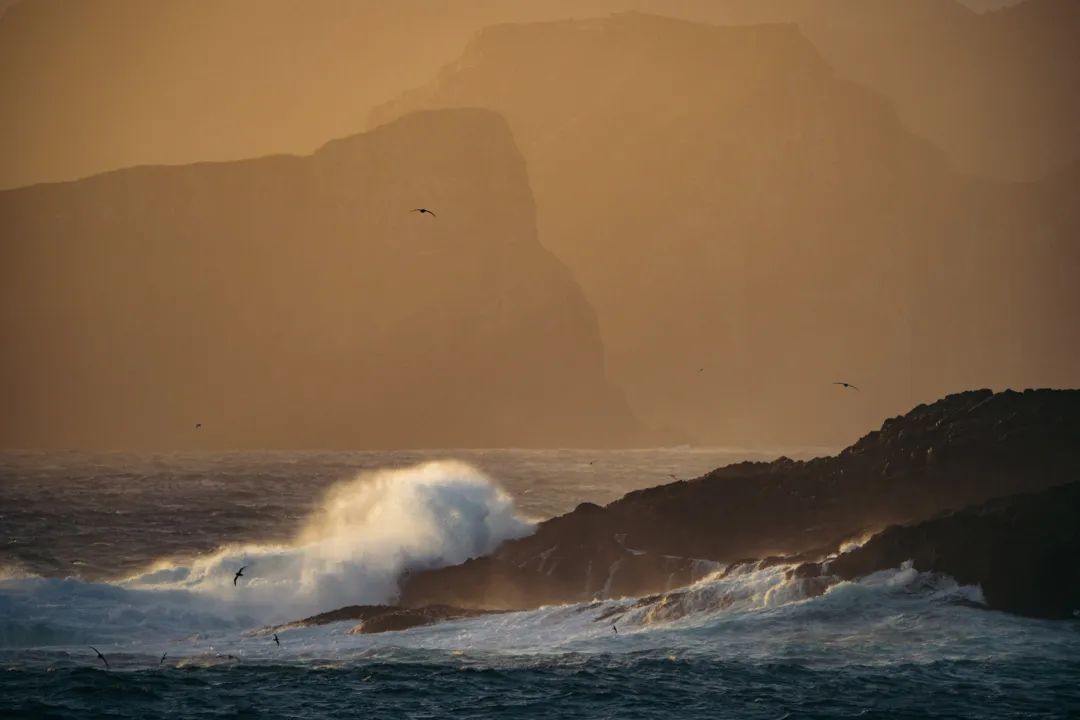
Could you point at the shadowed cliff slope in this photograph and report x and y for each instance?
(963, 449)
(297, 302)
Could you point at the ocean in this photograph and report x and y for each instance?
(136, 555)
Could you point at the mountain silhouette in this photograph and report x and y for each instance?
(296, 302)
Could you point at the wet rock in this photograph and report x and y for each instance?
(385, 618)
(665, 537)
(1021, 550)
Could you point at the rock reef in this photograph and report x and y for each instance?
(962, 450)
(384, 618)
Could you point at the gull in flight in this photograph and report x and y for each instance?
(239, 574)
(100, 656)
(847, 385)
(424, 210)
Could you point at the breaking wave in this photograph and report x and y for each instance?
(353, 548)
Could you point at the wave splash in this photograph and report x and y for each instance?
(355, 546)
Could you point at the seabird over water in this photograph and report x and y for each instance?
(162, 660)
(276, 641)
(239, 574)
(100, 656)
(847, 385)
(424, 210)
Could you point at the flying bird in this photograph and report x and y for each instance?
(100, 656)
(198, 425)
(162, 660)
(847, 385)
(615, 629)
(239, 574)
(701, 369)
(424, 210)
(276, 641)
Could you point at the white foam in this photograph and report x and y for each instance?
(355, 546)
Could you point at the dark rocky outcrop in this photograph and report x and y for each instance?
(1022, 550)
(963, 449)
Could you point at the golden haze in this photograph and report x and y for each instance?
(653, 229)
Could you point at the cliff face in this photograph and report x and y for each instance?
(297, 302)
(728, 203)
(960, 450)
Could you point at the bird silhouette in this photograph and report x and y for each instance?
(163, 656)
(424, 210)
(239, 574)
(615, 629)
(198, 425)
(847, 385)
(276, 641)
(100, 656)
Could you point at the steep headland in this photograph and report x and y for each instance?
(297, 302)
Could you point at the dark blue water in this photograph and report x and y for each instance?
(93, 558)
(560, 687)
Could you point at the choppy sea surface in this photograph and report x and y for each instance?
(136, 556)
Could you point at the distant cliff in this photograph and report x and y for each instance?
(963, 449)
(729, 202)
(997, 91)
(298, 302)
